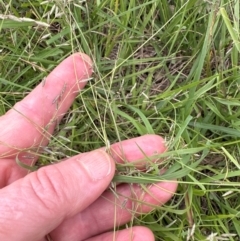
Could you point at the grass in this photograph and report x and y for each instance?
(164, 67)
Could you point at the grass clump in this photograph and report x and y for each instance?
(164, 67)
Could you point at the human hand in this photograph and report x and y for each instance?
(69, 200)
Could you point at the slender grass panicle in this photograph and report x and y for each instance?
(161, 67)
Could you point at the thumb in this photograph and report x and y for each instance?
(33, 206)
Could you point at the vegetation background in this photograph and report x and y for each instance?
(164, 67)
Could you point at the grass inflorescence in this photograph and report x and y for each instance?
(160, 67)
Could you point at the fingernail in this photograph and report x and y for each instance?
(86, 59)
(97, 164)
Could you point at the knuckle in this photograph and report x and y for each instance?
(47, 188)
(24, 109)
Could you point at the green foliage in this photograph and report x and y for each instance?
(164, 67)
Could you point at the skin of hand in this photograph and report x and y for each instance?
(69, 200)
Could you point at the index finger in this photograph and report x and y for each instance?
(31, 121)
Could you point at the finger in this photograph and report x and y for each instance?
(130, 151)
(113, 210)
(125, 151)
(131, 234)
(33, 206)
(31, 121)
(138, 150)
